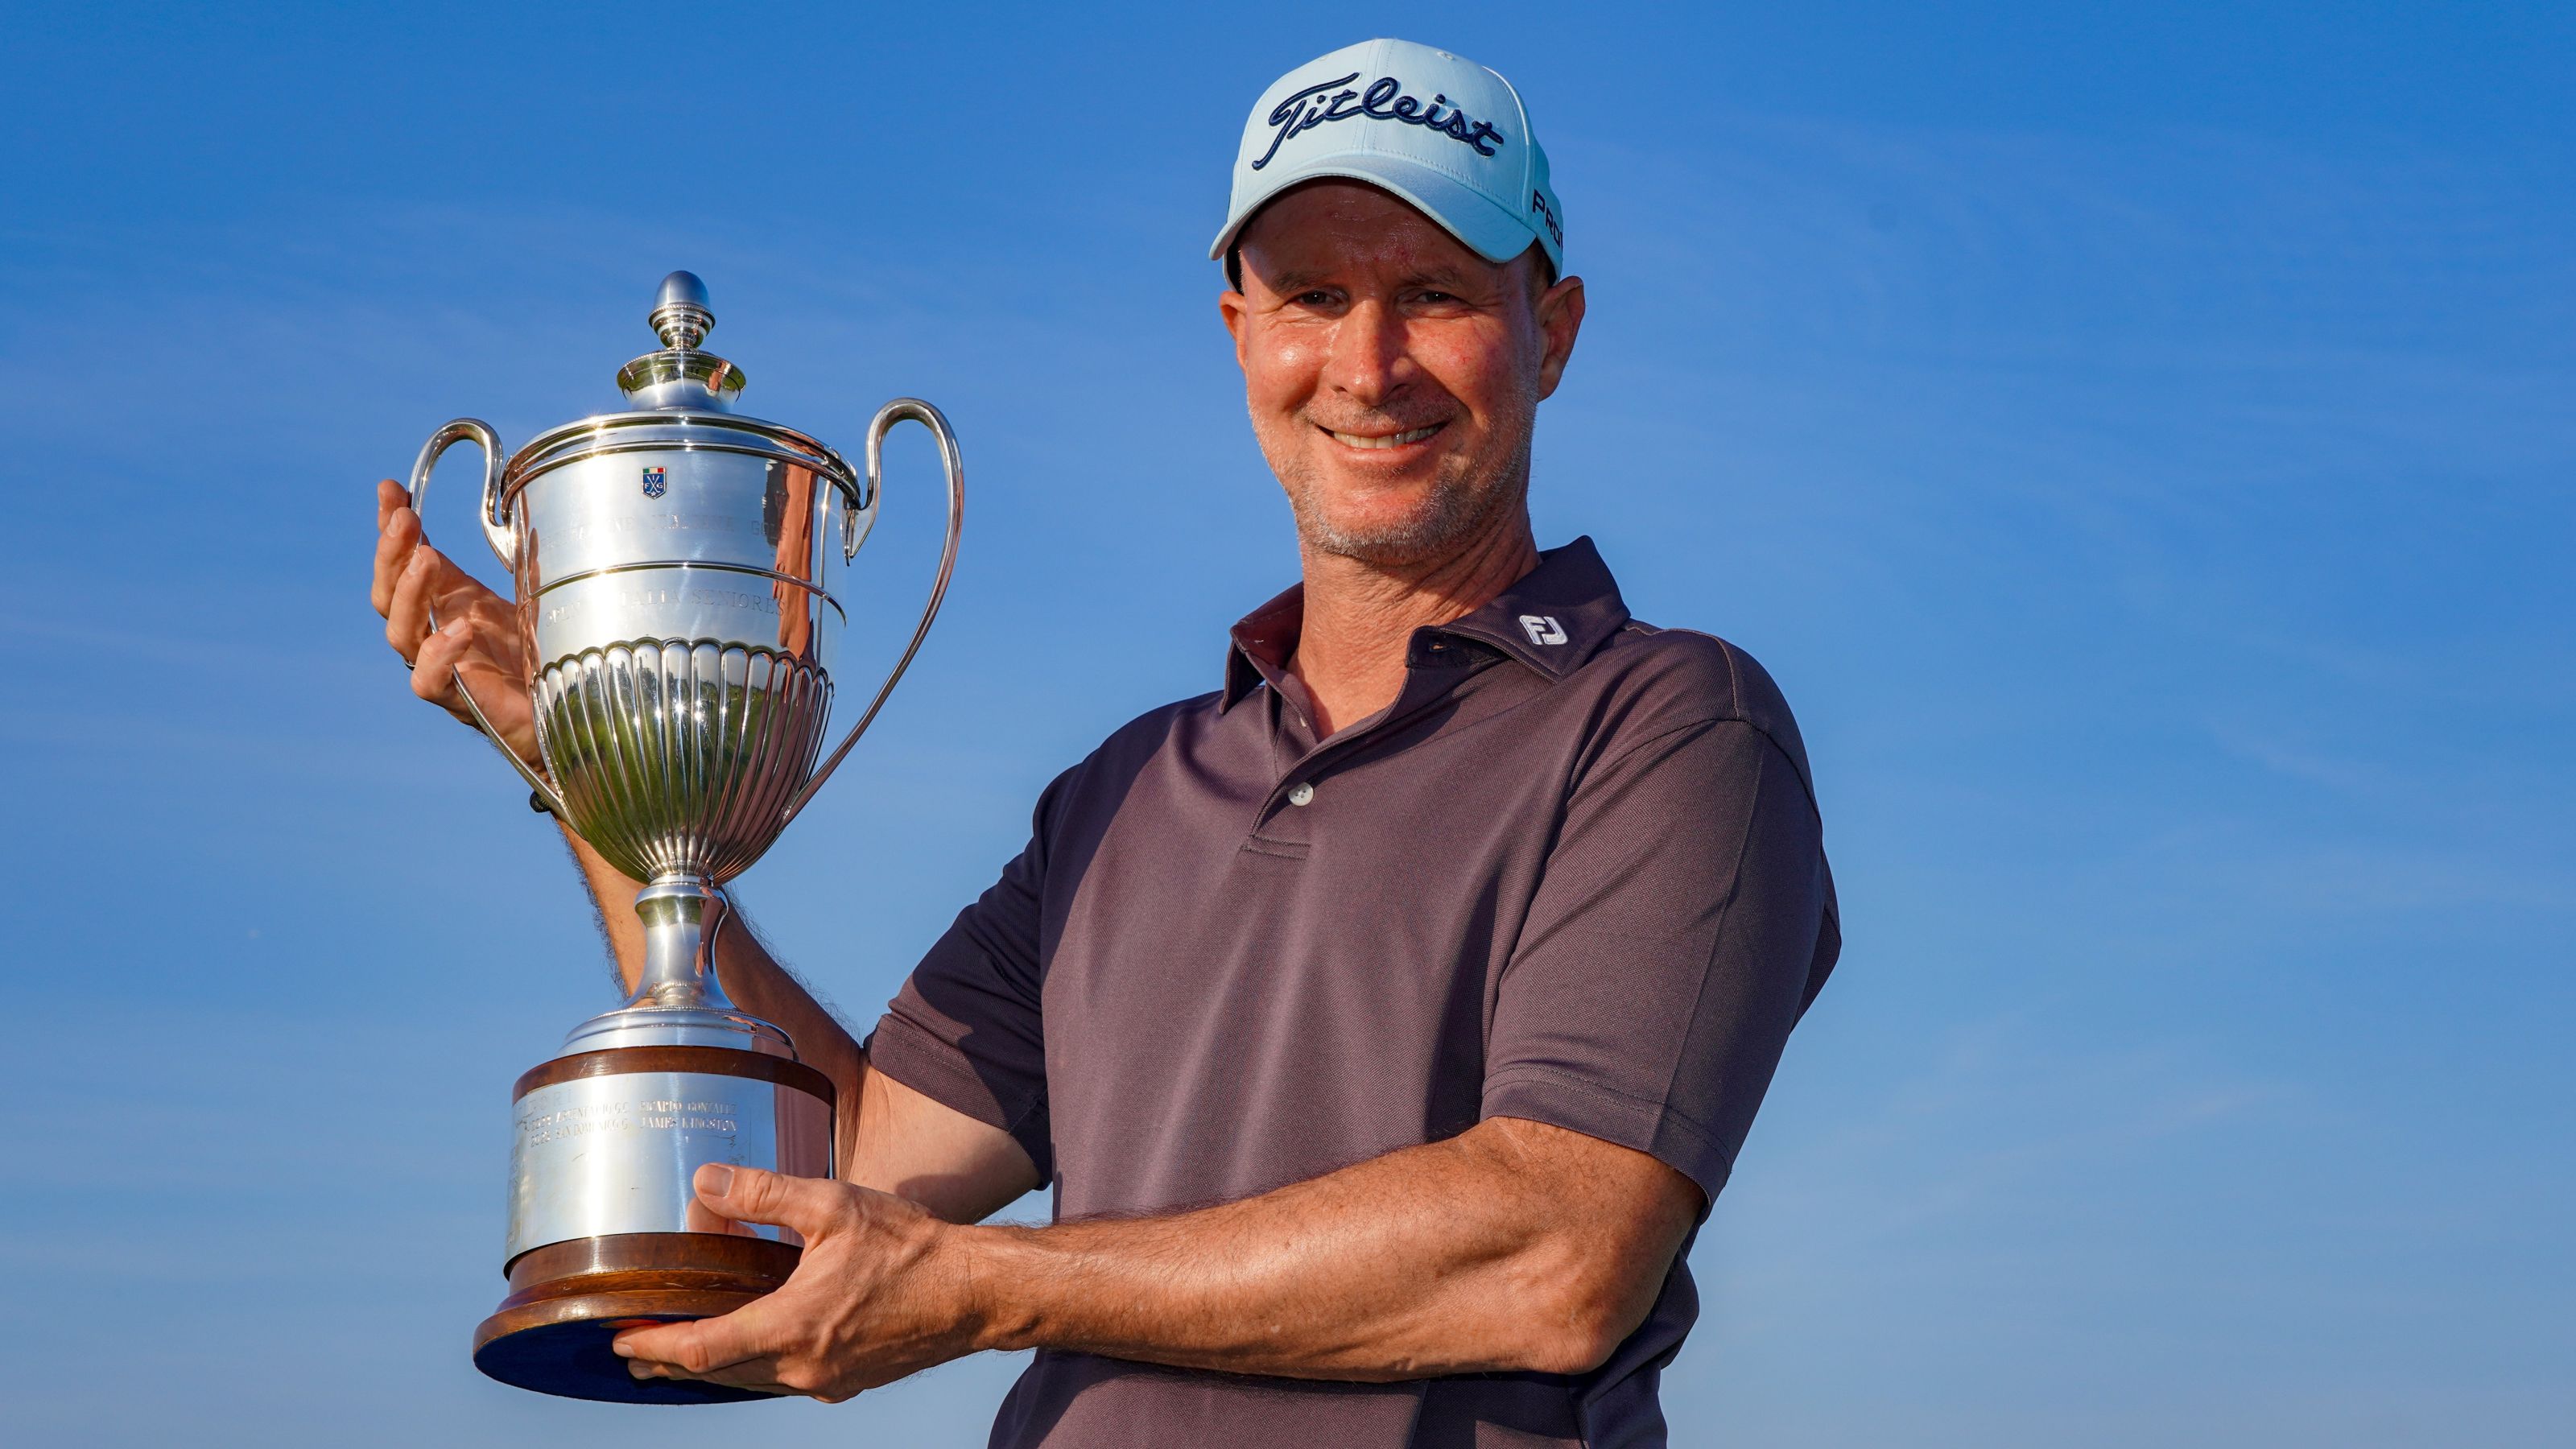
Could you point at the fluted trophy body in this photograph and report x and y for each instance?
(673, 566)
(681, 699)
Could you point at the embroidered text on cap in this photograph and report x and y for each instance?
(1384, 100)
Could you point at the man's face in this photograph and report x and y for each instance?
(1393, 375)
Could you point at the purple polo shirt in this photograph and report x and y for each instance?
(1574, 874)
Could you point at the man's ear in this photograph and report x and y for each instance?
(1560, 317)
(1237, 313)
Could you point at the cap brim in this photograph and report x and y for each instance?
(1464, 212)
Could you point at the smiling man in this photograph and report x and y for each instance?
(1386, 1020)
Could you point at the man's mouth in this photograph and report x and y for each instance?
(1384, 440)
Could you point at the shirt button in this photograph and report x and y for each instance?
(1302, 794)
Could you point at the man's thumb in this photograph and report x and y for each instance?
(751, 1195)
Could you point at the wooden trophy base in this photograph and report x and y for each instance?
(568, 1301)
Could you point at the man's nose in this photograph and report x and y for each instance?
(1369, 363)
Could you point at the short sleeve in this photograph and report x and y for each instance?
(965, 1030)
(1682, 924)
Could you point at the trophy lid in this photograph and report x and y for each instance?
(680, 378)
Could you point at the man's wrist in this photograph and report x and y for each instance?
(993, 1301)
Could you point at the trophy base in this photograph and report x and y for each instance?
(568, 1301)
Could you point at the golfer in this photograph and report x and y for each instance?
(1385, 1020)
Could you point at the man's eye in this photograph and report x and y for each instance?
(1315, 299)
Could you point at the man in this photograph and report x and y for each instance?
(1386, 1021)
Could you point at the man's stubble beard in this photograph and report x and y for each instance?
(1466, 502)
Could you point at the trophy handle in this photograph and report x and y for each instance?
(505, 544)
(864, 518)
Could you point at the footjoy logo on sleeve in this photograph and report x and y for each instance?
(1384, 100)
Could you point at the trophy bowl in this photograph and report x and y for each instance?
(670, 565)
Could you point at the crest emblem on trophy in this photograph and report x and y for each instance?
(681, 680)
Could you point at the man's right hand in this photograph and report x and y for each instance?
(478, 635)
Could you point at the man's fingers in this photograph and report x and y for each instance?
(433, 671)
(745, 1349)
(407, 616)
(396, 532)
(810, 1205)
(757, 1373)
(703, 1346)
(390, 495)
(742, 1376)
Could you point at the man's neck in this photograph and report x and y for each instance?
(1359, 617)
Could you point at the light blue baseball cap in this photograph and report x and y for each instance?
(1447, 135)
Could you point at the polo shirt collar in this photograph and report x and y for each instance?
(1262, 644)
(1557, 616)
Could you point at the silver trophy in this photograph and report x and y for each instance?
(671, 566)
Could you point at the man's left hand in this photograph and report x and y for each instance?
(873, 1299)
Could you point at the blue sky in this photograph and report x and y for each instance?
(2135, 436)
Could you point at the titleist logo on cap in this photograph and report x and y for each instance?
(1384, 100)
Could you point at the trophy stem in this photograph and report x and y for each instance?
(677, 999)
(682, 914)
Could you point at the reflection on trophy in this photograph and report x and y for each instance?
(670, 564)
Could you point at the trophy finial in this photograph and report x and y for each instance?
(680, 377)
(680, 314)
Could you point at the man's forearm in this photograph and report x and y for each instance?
(1513, 1247)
